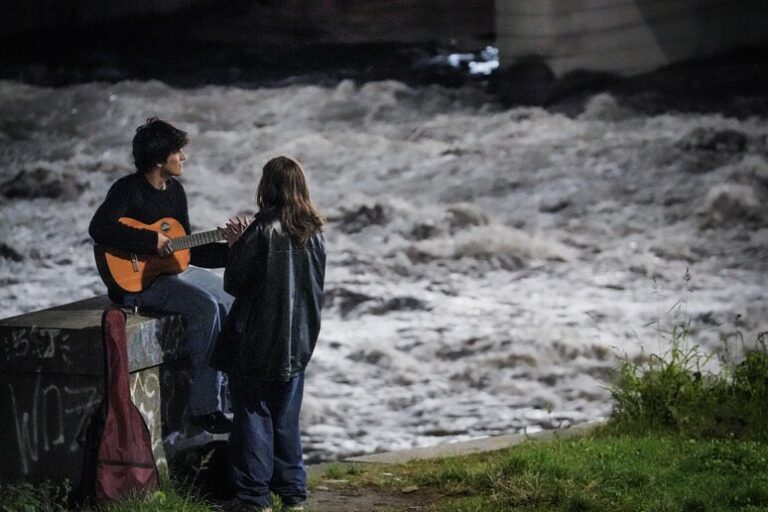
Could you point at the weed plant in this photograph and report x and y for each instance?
(25, 497)
(672, 392)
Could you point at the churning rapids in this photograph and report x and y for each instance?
(485, 265)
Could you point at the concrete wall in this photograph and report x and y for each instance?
(625, 36)
(52, 381)
(21, 16)
(468, 23)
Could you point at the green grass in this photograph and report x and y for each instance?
(671, 392)
(47, 497)
(599, 472)
(24, 497)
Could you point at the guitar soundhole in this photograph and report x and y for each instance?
(165, 226)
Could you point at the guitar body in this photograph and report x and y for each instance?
(136, 272)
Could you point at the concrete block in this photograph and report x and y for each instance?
(51, 382)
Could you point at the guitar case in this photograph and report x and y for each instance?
(119, 458)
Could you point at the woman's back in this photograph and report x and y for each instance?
(278, 284)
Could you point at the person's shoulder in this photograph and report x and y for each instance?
(266, 220)
(262, 224)
(127, 182)
(317, 240)
(129, 179)
(175, 185)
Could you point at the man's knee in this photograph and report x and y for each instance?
(205, 309)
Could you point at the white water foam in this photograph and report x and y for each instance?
(485, 264)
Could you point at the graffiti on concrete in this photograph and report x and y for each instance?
(161, 394)
(153, 342)
(38, 344)
(48, 417)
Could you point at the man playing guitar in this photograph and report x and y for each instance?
(151, 194)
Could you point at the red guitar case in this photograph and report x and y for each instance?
(121, 459)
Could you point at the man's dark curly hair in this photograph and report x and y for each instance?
(154, 142)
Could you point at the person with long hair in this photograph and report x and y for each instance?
(276, 272)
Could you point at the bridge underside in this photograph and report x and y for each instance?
(625, 36)
(621, 36)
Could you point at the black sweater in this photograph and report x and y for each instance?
(133, 196)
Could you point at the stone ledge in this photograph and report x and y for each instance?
(52, 381)
(67, 339)
(485, 444)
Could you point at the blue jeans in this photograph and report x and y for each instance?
(266, 441)
(199, 297)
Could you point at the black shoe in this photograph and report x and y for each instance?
(215, 422)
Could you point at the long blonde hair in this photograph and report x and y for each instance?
(283, 192)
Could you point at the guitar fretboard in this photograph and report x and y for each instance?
(195, 239)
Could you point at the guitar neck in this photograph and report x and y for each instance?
(196, 239)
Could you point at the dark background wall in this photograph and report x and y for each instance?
(18, 16)
(463, 22)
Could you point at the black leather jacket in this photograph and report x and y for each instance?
(272, 328)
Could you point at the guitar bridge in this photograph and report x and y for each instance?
(134, 262)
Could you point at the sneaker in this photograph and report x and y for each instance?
(214, 423)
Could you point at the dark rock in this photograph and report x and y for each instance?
(399, 304)
(345, 300)
(529, 82)
(709, 139)
(732, 204)
(424, 231)
(553, 204)
(9, 253)
(357, 220)
(42, 182)
(374, 357)
(464, 215)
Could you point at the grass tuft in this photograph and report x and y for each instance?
(24, 497)
(672, 392)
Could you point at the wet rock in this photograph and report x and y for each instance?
(514, 361)
(467, 347)
(465, 215)
(529, 82)
(553, 204)
(602, 107)
(343, 299)
(9, 253)
(709, 139)
(424, 231)
(343, 111)
(42, 182)
(398, 304)
(355, 221)
(374, 357)
(705, 149)
(731, 203)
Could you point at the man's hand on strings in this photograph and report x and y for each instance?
(164, 247)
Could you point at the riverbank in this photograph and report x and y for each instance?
(598, 470)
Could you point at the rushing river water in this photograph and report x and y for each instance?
(485, 264)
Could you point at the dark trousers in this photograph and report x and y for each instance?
(266, 441)
(198, 295)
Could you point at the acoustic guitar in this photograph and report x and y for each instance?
(135, 272)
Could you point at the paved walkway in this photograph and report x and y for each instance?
(486, 444)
